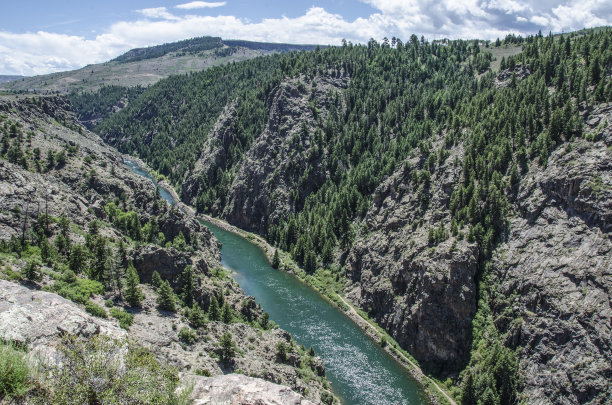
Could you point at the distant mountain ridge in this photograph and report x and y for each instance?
(200, 44)
(9, 78)
(146, 66)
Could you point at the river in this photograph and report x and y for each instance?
(360, 371)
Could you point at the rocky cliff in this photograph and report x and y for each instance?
(287, 156)
(423, 293)
(554, 272)
(63, 191)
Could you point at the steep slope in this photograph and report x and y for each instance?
(76, 221)
(422, 292)
(286, 156)
(406, 182)
(554, 273)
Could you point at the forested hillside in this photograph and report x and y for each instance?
(402, 174)
(107, 292)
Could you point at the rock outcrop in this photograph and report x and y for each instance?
(286, 156)
(38, 319)
(555, 274)
(422, 293)
(235, 389)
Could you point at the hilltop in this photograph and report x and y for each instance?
(146, 66)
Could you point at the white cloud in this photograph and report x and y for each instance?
(43, 52)
(158, 12)
(201, 4)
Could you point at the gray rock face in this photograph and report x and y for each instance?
(284, 155)
(38, 319)
(423, 295)
(214, 153)
(235, 389)
(555, 273)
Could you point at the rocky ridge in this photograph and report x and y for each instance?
(287, 155)
(423, 295)
(81, 188)
(555, 272)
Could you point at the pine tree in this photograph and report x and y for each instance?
(228, 347)
(197, 316)
(265, 319)
(188, 286)
(226, 313)
(133, 294)
(156, 279)
(213, 309)
(276, 260)
(32, 270)
(165, 298)
(78, 258)
(310, 263)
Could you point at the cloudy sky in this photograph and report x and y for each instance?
(38, 37)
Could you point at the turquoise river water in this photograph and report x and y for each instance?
(360, 371)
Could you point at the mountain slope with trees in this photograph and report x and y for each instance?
(77, 222)
(405, 174)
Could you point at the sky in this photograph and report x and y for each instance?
(39, 37)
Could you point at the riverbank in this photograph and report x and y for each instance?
(437, 395)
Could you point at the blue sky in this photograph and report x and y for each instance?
(38, 37)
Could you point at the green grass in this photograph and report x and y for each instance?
(125, 319)
(79, 291)
(14, 373)
(95, 310)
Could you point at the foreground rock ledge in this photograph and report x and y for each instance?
(237, 389)
(38, 319)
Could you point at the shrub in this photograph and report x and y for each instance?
(281, 351)
(187, 335)
(109, 303)
(14, 372)
(327, 398)
(69, 277)
(95, 310)
(204, 372)
(79, 291)
(102, 370)
(125, 318)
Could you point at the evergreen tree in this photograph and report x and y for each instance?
(31, 270)
(165, 298)
(213, 309)
(226, 313)
(228, 346)
(78, 258)
(197, 316)
(133, 294)
(275, 259)
(188, 286)
(156, 279)
(310, 263)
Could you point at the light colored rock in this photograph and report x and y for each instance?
(38, 319)
(238, 389)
